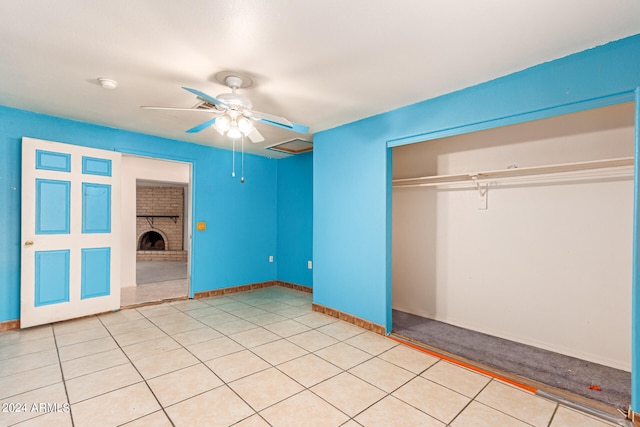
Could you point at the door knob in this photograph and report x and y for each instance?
(28, 243)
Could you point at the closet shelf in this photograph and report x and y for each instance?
(425, 181)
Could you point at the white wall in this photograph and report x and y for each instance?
(141, 168)
(548, 263)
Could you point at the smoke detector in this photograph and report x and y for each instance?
(107, 83)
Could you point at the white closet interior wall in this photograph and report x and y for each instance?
(548, 263)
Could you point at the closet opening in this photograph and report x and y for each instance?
(512, 247)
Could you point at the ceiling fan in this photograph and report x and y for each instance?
(234, 112)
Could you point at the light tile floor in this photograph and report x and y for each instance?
(252, 359)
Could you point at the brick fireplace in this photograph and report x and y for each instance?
(160, 224)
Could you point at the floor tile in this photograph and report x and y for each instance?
(309, 370)
(214, 320)
(116, 407)
(232, 306)
(95, 362)
(155, 419)
(343, 355)
(86, 348)
(237, 365)
(265, 388)
(182, 324)
(304, 406)
(182, 384)
(138, 336)
(371, 342)
(391, 412)
(23, 335)
(97, 383)
(169, 361)
(218, 407)
(196, 336)
(348, 393)
(565, 417)
(253, 421)
(316, 320)
(150, 348)
(22, 382)
(312, 340)
(121, 316)
(214, 348)
(81, 336)
(408, 358)
(151, 311)
(46, 419)
(287, 328)
(246, 313)
(204, 311)
(22, 347)
(278, 352)
(433, 399)
(384, 375)
(266, 319)
(479, 415)
(76, 325)
(294, 312)
(188, 305)
(234, 327)
(28, 362)
(341, 330)
(456, 378)
(254, 337)
(517, 403)
(132, 325)
(54, 393)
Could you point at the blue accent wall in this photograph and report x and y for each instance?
(241, 218)
(295, 219)
(352, 173)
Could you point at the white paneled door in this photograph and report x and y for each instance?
(70, 264)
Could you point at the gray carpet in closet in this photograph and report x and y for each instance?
(557, 370)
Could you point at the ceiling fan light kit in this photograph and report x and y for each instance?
(234, 111)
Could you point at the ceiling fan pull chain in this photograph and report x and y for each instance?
(233, 159)
(242, 178)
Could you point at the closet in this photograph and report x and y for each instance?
(523, 232)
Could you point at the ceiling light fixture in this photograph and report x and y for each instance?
(107, 83)
(233, 125)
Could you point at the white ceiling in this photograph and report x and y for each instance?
(321, 64)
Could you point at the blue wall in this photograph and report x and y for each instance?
(352, 173)
(241, 218)
(295, 219)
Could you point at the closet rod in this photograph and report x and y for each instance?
(516, 172)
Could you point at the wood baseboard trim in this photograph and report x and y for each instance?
(289, 285)
(9, 325)
(234, 289)
(365, 324)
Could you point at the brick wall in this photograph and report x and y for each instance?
(161, 201)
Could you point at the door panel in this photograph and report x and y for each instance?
(70, 231)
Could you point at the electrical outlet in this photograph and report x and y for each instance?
(270, 258)
(309, 265)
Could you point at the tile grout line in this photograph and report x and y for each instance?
(64, 381)
(141, 376)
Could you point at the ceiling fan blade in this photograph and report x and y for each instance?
(257, 115)
(206, 110)
(206, 97)
(201, 126)
(294, 126)
(255, 136)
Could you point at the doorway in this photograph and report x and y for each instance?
(157, 208)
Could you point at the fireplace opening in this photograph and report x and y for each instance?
(151, 241)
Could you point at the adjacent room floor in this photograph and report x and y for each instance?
(258, 358)
(157, 281)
